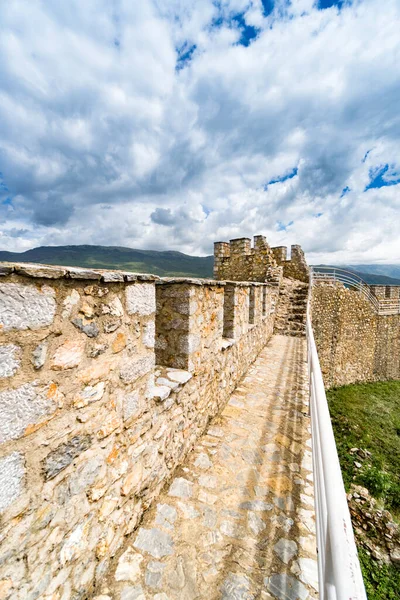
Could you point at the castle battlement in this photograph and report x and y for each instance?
(238, 260)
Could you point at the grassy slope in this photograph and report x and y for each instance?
(367, 416)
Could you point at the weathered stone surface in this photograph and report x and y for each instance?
(179, 376)
(12, 473)
(116, 308)
(111, 423)
(155, 542)
(159, 392)
(39, 356)
(112, 276)
(76, 542)
(133, 593)
(181, 488)
(119, 343)
(141, 299)
(257, 505)
(9, 359)
(166, 515)
(34, 270)
(137, 367)
(128, 568)
(89, 394)
(236, 587)
(23, 408)
(286, 587)
(285, 549)
(203, 461)
(89, 329)
(309, 571)
(26, 306)
(85, 475)
(154, 573)
(70, 301)
(97, 371)
(111, 326)
(256, 524)
(132, 405)
(68, 355)
(149, 332)
(6, 270)
(80, 273)
(63, 456)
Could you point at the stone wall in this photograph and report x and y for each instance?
(91, 427)
(354, 343)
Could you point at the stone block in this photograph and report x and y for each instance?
(132, 405)
(155, 542)
(141, 299)
(68, 355)
(63, 456)
(24, 409)
(97, 371)
(119, 343)
(137, 367)
(26, 306)
(9, 360)
(90, 329)
(12, 473)
(39, 356)
(89, 394)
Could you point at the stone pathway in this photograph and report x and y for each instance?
(237, 521)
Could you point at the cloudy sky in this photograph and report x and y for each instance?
(169, 124)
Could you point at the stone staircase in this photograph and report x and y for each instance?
(292, 308)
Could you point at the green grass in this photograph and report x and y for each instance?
(382, 582)
(367, 416)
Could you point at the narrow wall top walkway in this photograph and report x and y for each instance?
(237, 521)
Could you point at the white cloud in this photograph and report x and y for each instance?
(103, 140)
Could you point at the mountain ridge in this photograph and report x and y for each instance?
(163, 263)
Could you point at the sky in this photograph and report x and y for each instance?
(171, 124)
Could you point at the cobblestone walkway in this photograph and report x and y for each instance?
(237, 522)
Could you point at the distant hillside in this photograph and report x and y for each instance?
(387, 270)
(369, 277)
(167, 263)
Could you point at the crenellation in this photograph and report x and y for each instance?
(241, 246)
(238, 261)
(296, 267)
(280, 254)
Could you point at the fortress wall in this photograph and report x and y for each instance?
(91, 427)
(354, 343)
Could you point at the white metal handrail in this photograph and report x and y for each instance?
(327, 274)
(339, 571)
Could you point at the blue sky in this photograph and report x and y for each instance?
(175, 123)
